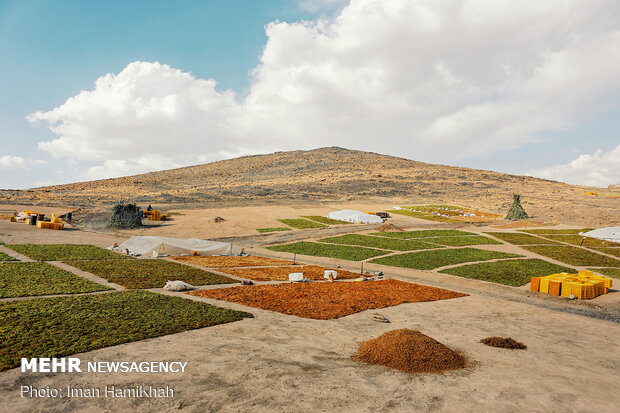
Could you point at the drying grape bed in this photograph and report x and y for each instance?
(325, 301)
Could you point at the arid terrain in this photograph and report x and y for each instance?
(283, 362)
(279, 362)
(333, 175)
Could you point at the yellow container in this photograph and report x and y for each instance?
(577, 290)
(50, 225)
(607, 281)
(554, 287)
(567, 287)
(544, 285)
(599, 287)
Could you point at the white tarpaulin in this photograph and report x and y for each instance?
(145, 245)
(607, 234)
(358, 217)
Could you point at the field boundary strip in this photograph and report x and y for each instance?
(32, 297)
(15, 254)
(85, 274)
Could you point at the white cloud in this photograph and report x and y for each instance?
(8, 162)
(118, 167)
(37, 162)
(435, 81)
(600, 169)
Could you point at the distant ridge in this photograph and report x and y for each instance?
(325, 174)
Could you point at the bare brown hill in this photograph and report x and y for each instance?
(330, 174)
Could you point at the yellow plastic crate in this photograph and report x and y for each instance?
(607, 281)
(599, 287)
(567, 288)
(554, 287)
(578, 290)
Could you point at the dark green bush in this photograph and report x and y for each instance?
(125, 216)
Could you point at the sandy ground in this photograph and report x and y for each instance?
(244, 220)
(283, 363)
(276, 362)
(19, 233)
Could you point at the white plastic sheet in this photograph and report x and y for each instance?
(145, 245)
(606, 234)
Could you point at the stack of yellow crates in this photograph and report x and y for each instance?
(50, 225)
(153, 215)
(55, 223)
(583, 285)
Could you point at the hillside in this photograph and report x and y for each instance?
(326, 174)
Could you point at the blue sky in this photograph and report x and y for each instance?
(393, 77)
(53, 50)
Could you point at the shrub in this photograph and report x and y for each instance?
(516, 210)
(510, 272)
(430, 259)
(328, 250)
(301, 223)
(574, 255)
(378, 242)
(273, 229)
(61, 326)
(325, 220)
(125, 216)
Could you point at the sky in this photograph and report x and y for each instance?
(92, 90)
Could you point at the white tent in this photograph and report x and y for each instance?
(174, 246)
(358, 217)
(606, 234)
